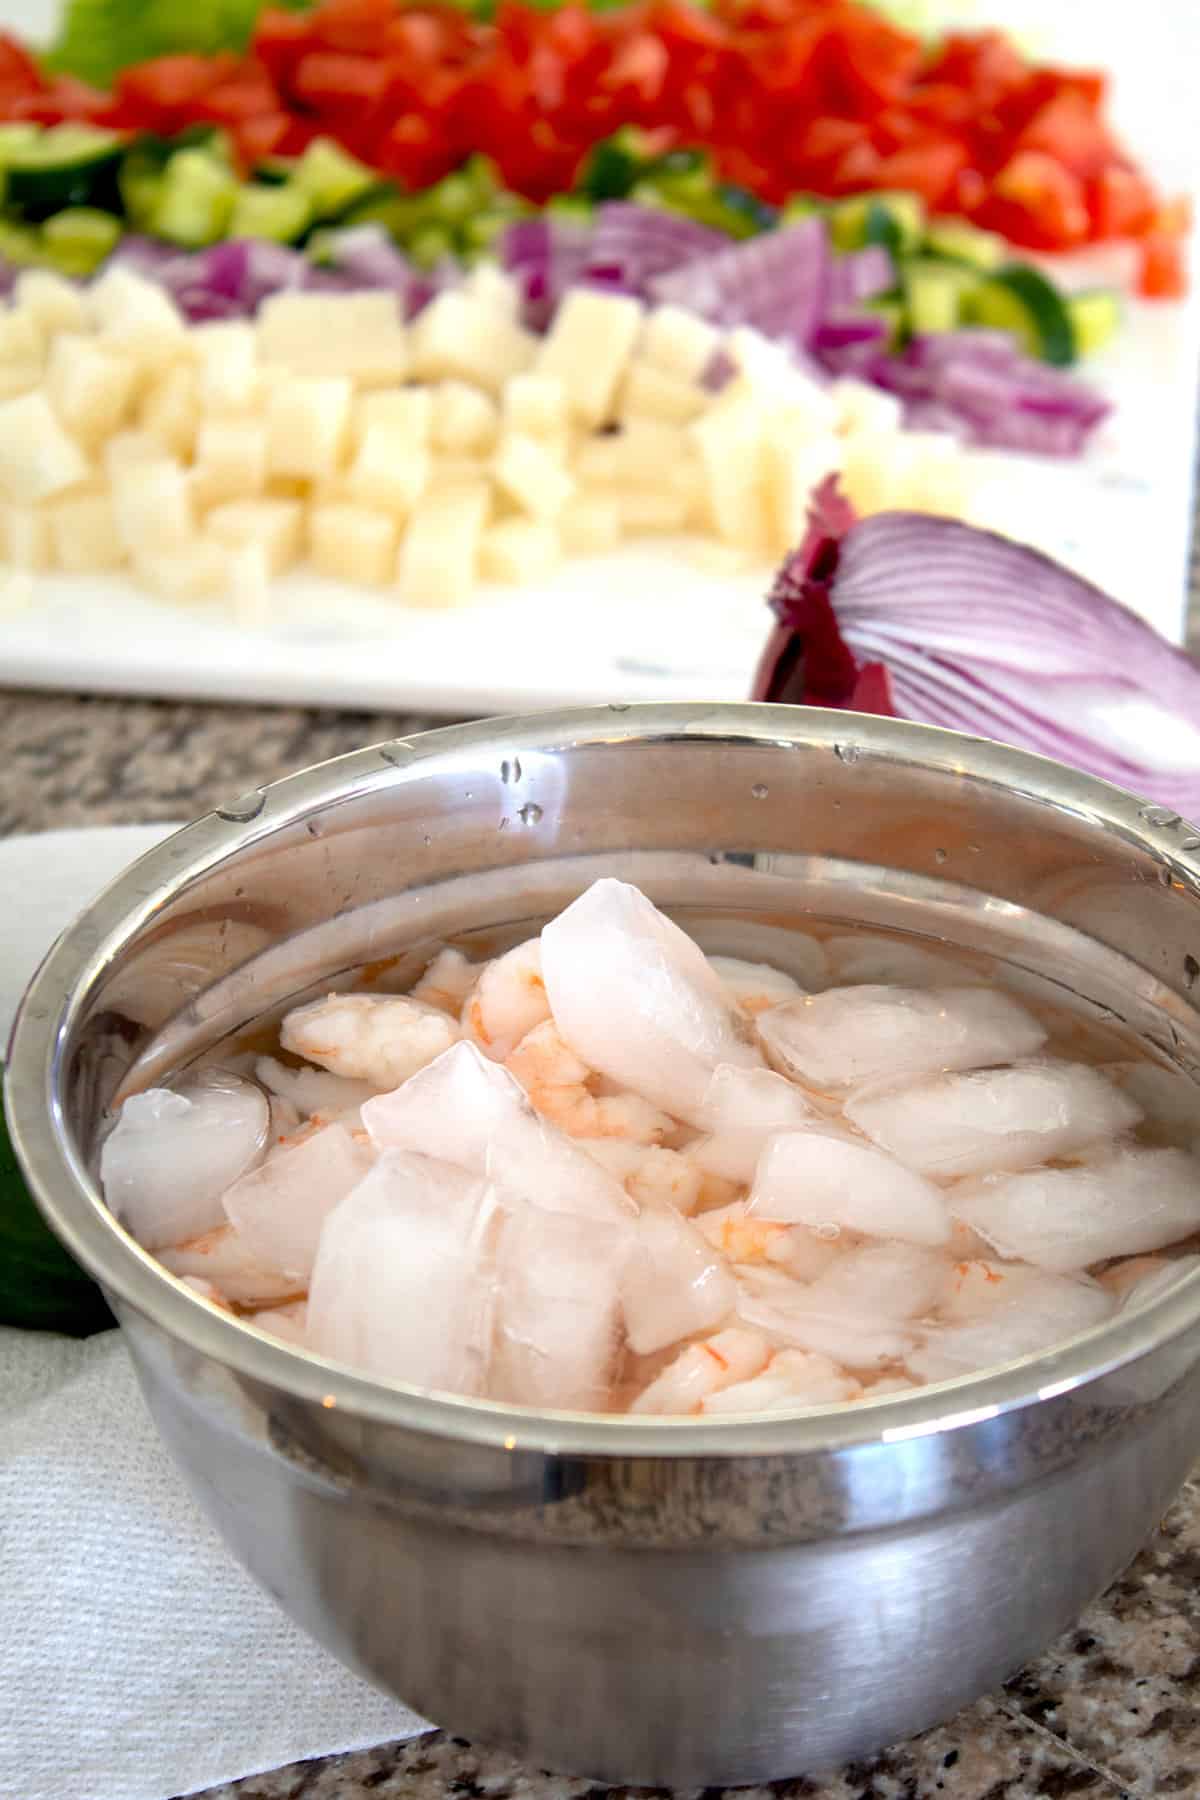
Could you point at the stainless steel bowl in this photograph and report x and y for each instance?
(676, 1602)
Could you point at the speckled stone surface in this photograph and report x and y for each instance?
(1112, 1710)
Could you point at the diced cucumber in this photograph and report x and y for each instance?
(274, 171)
(934, 293)
(895, 313)
(77, 241)
(280, 213)
(68, 165)
(428, 245)
(383, 204)
(20, 244)
(1018, 298)
(196, 200)
(1095, 318)
(802, 206)
(897, 221)
(958, 242)
(330, 178)
(616, 164)
(570, 206)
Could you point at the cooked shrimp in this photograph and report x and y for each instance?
(754, 986)
(650, 1174)
(447, 982)
(556, 1081)
(704, 1369)
(507, 1001)
(207, 1291)
(1120, 1277)
(378, 1038)
(792, 1379)
(287, 1322)
(741, 1239)
(222, 1260)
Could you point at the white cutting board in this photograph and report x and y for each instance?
(645, 623)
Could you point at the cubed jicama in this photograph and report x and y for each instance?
(308, 422)
(84, 533)
(276, 525)
(532, 476)
(439, 551)
(459, 336)
(534, 406)
(392, 467)
(407, 412)
(22, 339)
(731, 438)
(26, 539)
(230, 460)
(193, 571)
(644, 509)
(519, 551)
(648, 392)
(590, 522)
(586, 348)
(152, 505)
(227, 377)
(465, 419)
(853, 1035)
(678, 342)
(170, 410)
(37, 457)
(360, 337)
(54, 302)
(137, 315)
(353, 543)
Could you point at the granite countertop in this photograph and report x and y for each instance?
(1111, 1710)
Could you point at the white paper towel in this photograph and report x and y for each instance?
(137, 1660)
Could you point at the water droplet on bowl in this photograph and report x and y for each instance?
(760, 790)
(939, 856)
(847, 753)
(530, 813)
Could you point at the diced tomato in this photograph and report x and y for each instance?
(1121, 203)
(168, 91)
(986, 67)
(1162, 268)
(280, 40)
(266, 135)
(18, 71)
(1068, 129)
(1035, 201)
(357, 27)
(328, 79)
(931, 170)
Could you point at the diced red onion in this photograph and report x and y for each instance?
(778, 283)
(860, 275)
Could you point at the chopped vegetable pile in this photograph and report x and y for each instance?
(788, 96)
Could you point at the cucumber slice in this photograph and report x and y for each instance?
(1095, 318)
(428, 245)
(616, 164)
(274, 171)
(1018, 298)
(802, 206)
(196, 200)
(330, 178)
(383, 204)
(897, 221)
(68, 165)
(934, 293)
(280, 213)
(957, 242)
(77, 241)
(20, 244)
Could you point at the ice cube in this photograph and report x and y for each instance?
(465, 1110)
(1170, 1102)
(772, 1302)
(173, 1152)
(884, 1281)
(754, 986)
(704, 1369)
(852, 1035)
(313, 1090)
(1026, 1311)
(403, 1285)
(378, 1038)
(557, 1311)
(223, 1258)
(675, 1284)
(987, 1119)
(741, 1109)
(637, 1000)
(873, 959)
(831, 1181)
(1065, 1219)
(280, 1207)
(1158, 1282)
